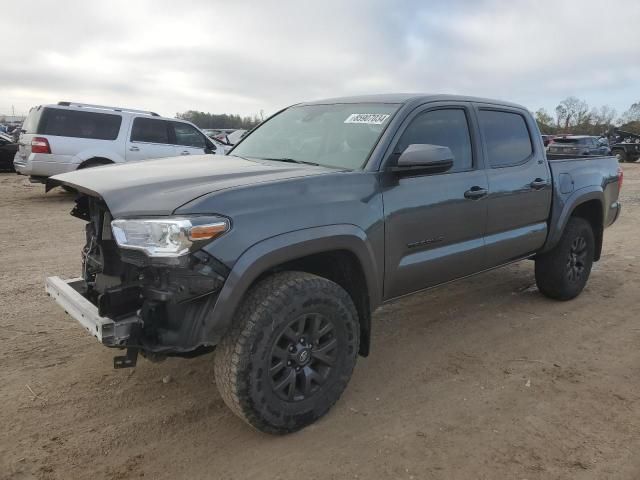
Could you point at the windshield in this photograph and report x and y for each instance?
(339, 135)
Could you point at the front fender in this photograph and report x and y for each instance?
(284, 248)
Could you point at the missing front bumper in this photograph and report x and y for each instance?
(67, 294)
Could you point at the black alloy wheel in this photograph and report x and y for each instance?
(576, 260)
(303, 357)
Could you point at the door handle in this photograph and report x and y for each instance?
(185, 152)
(538, 184)
(134, 149)
(475, 193)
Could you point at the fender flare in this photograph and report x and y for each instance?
(274, 251)
(574, 200)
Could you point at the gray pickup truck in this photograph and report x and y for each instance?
(277, 254)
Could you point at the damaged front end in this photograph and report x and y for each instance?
(146, 284)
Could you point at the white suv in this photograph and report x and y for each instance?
(67, 136)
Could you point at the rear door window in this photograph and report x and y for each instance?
(188, 136)
(78, 124)
(150, 130)
(506, 137)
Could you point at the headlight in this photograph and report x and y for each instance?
(167, 237)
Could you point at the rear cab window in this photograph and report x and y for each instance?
(567, 141)
(506, 136)
(78, 124)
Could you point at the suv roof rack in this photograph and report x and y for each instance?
(105, 107)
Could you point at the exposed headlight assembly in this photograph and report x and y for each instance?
(167, 237)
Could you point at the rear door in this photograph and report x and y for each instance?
(520, 186)
(188, 139)
(150, 138)
(434, 224)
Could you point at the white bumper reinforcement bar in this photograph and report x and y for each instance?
(109, 332)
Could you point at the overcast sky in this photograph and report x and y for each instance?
(243, 57)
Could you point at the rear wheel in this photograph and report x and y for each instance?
(563, 272)
(290, 352)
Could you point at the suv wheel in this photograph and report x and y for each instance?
(290, 352)
(563, 272)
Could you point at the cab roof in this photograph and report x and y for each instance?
(410, 98)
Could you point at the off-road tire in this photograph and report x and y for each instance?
(563, 272)
(244, 359)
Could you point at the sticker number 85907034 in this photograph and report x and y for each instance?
(367, 118)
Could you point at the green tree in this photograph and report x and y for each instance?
(545, 121)
(571, 112)
(213, 120)
(633, 114)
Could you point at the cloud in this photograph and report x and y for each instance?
(245, 56)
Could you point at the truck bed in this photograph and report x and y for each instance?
(576, 176)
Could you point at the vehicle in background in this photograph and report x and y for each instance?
(222, 148)
(214, 132)
(235, 136)
(578, 145)
(8, 149)
(226, 136)
(279, 253)
(547, 139)
(625, 146)
(213, 135)
(69, 136)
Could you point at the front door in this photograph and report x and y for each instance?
(188, 140)
(434, 224)
(149, 138)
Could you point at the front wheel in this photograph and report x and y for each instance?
(290, 352)
(563, 272)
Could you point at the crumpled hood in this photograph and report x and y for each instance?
(158, 187)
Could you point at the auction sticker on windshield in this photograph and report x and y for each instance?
(367, 118)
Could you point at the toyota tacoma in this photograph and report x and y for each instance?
(277, 254)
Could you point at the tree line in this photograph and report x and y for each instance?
(573, 115)
(224, 120)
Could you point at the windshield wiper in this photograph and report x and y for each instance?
(291, 160)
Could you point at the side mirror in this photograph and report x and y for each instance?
(424, 158)
(211, 147)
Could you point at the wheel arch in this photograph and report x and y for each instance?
(340, 253)
(592, 211)
(588, 204)
(95, 161)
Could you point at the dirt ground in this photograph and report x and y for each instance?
(481, 379)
